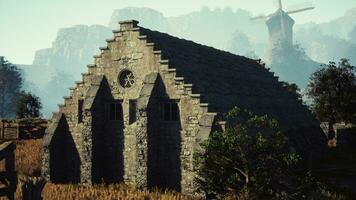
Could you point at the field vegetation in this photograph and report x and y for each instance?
(28, 167)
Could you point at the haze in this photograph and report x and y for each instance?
(27, 26)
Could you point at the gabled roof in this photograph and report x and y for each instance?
(226, 80)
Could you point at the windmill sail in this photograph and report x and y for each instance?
(300, 10)
(280, 26)
(265, 17)
(259, 17)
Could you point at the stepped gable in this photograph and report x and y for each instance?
(225, 80)
(144, 107)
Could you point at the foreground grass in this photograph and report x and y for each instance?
(70, 192)
(28, 164)
(27, 157)
(101, 192)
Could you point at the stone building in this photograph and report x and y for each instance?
(141, 110)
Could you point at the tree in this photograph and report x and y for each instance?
(251, 159)
(10, 85)
(333, 93)
(240, 44)
(28, 106)
(293, 89)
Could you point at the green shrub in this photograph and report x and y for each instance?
(252, 159)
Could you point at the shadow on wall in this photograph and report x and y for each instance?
(164, 140)
(64, 156)
(108, 137)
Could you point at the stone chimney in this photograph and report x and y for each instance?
(128, 25)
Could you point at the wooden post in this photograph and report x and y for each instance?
(1, 129)
(8, 178)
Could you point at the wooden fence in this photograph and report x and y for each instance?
(22, 129)
(8, 178)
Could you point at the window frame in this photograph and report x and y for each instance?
(132, 111)
(117, 116)
(174, 112)
(80, 111)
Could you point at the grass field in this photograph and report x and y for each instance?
(100, 192)
(27, 157)
(28, 164)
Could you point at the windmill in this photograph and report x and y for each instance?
(280, 25)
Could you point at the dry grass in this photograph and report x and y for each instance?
(101, 192)
(28, 164)
(27, 157)
(70, 192)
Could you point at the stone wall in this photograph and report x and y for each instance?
(150, 151)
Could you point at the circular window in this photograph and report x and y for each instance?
(126, 79)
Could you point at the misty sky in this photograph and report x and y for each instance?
(29, 25)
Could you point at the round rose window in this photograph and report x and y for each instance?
(126, 79)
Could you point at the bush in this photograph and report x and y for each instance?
(252, 159)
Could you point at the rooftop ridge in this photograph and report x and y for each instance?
(144, 36)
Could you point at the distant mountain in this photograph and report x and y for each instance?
(73, 48)
(331, 40)
(210, 27)
(146, 16)
(342, 26)
(323, 47)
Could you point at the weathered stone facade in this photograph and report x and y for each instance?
(133, 119)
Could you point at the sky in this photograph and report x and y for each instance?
(30, 25)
